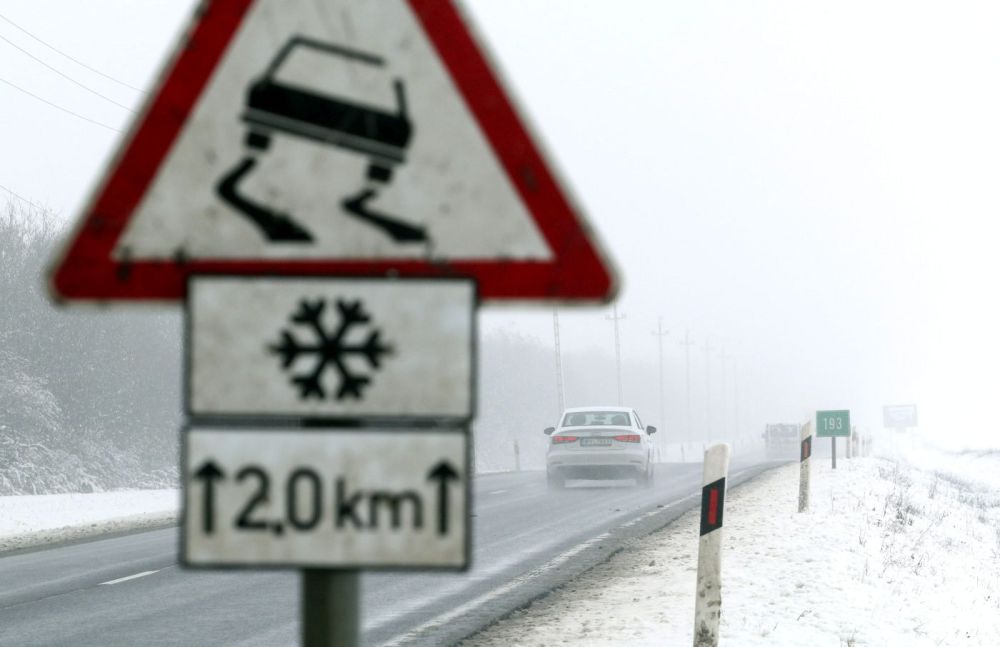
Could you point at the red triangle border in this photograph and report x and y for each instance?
(87, 271)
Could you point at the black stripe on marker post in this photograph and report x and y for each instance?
(712, 501)
(807, 448)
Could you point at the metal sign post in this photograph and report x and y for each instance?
(331, 610)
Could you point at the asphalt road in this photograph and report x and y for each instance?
(129, 590)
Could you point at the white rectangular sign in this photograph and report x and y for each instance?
(899, 416)
(330, 348)
(326, 498)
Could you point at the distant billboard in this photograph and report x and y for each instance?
(899, 416)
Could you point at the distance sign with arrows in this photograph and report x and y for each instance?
(280, 497)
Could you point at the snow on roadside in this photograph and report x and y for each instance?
(891, 553)
(33, 520)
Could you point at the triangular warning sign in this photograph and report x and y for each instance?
(344, 137)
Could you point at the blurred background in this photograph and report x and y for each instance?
(800, 198)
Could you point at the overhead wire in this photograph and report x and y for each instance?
(64, 54)
(22, 198)
(62, 74)
(58, 107)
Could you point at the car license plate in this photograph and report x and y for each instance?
(591, 442)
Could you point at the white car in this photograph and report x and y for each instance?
(599, 443)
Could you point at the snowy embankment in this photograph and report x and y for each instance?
(900, 551)
(34, 520)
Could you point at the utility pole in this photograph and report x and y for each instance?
(618, 349)
(560, 396)
(660, 333)
(724, 357)
(687, 344)
(708, 348)
(736, 400)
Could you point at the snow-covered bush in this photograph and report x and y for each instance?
(89, 400)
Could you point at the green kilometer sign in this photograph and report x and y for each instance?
(833, 423)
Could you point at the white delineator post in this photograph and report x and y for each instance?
(708, 593)
(805, 451)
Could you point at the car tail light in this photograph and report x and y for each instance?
(627, 438)
(558, 440)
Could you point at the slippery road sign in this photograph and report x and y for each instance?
(323, 498)
(330, 348)
(336, 138)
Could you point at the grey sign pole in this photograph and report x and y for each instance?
(330, 607)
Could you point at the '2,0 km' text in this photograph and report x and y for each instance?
(310, 503)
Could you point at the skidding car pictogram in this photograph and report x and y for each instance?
(319, 115)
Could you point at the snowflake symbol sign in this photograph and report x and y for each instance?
(330, 350)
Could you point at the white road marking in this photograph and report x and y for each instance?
(499, 491)
(500, 591)
(459, 611)
(129, 577)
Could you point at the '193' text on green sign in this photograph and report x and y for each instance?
(833, 423)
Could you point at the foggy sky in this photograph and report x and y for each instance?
(810, 184)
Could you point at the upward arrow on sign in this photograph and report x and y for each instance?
(342, 137)
(443, 472)
(208, 474)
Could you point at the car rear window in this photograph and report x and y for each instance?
(328, 74)
(596, 418)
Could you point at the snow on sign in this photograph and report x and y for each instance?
(330, 348)
(344, 138)
(322, 498)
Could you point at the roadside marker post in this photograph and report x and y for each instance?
(332, 199)
(833, 424)
(805, 452)
(708, 592)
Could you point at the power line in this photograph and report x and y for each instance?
(65, 76)
(64, 54)
(58, 107)
(30, 203)
(21, 198)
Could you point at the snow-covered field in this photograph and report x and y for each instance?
(33, 520)
(894, 551)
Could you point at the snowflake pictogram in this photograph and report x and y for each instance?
(331, 350)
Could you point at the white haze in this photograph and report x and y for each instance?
(811, 184)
